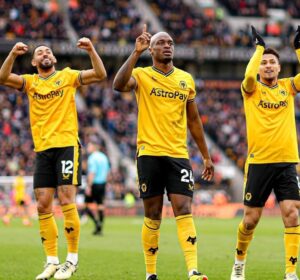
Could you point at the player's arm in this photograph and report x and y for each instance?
(250, 80)
(8, 78)
(98, 73)
(196, 128)
(296, 80)
(123, 81)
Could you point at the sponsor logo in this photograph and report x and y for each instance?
(52, 94)
(158, 92)
(271, 105)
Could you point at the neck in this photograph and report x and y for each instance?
(164, 67)
(270, 83)
(44, 73)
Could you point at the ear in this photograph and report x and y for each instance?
(150, 50)
(54, 60)
(33, 63)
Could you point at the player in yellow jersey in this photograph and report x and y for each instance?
(53, 120)
(272, 153)
(21, 197)
(165, 97)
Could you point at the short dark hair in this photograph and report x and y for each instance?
(40, 45)
(272, 51)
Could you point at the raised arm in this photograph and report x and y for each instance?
(98, 73)
(250, 80)
(196, 128)
(6, 77)
(124, 81)
(297, 49)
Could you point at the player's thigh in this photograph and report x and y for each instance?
(179, 176)
(151, 176)
(287, 183)
(68, 166)
(258, 183)
(44, 172)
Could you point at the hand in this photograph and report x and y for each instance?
(256, 38)
(19, 49)
(143, 41)
(208, 172)
(88, 191)
(297, 39)
(85, 44)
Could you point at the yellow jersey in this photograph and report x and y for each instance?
(20, 188)
(52, 108)
(162, 121)
(270, 119)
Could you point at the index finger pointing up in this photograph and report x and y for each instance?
(144, 27)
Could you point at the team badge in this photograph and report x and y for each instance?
(283, 92)
(66, 176)
(182, 84)
(58, 83)
(248, 196)
(143, 187)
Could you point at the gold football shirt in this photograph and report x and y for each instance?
(270, 119)
(162, 121)
(52, 108)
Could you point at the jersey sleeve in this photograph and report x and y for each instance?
(74, 77)
(192, 93)
(27, 82)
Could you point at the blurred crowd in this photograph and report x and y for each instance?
(120, 21)
(259, 8)
(22, 19)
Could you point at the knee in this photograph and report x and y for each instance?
(182, 209)
(251, 221)
(290, 216)
(153, 214)
(44, 206)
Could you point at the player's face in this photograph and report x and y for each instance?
(269, 67)
(43, 58)
(162, 49)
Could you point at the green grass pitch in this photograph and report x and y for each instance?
(118, 253)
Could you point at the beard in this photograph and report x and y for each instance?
(165, 60)
(46, 66)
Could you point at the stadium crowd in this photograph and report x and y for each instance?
(120, 21)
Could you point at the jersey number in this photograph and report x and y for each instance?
(187, 176)
(67, 166)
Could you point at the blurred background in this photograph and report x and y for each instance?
(212, 42)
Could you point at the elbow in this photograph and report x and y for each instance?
(116, 85)
(102, 76)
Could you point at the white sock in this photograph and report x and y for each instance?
(239, 262)
(192, 271)
(53, 260)
(149, 274)
(72, 258)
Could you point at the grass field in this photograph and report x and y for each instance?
(118, 254)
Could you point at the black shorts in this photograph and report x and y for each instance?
(261, 179)
(57, 166)
(157, 173)
(98, 194)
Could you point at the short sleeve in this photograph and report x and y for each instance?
(74, 77)
(192, 93)
(27, 81)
